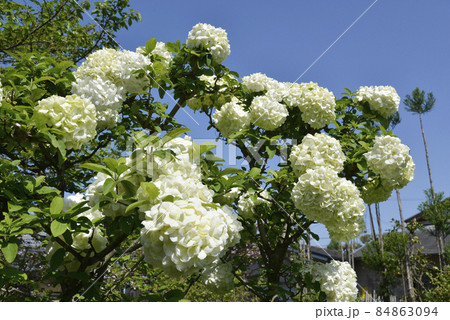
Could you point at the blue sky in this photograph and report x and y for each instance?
(401, 43)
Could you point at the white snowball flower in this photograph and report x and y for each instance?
(215, 40)
(317, 150)
(382, 99)
(391, 160)
(185, 163)
(231, 118)
(333, 201)
(219, 277)
(106, 76)
(258, 82)
(373, 192)
(182, 237)
(73, 115)
(117, 67)
(102, 64)
(279, 91)
(267, 113)
(179, 187)
(337, 279)
(107, 118)
(249, 200)
(317, 104)
(129, 62)
(105, 95)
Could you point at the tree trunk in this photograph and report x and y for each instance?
(380, 231)
(439, 239)
(308, 246)
(407, 260)
(427, 156)
(438, 244)
(372, 224)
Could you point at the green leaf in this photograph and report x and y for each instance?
(111, 164)
(271, 151)
(57, 259)
(173, 47)
(174, 134)
(383, 130)
(47, 190)
(361, 166)
(108, 185)
(97, 167)
(58, 228)
(130, 188)
(136, 204)
(38, 181)
(207, 146)
(150, 45)
(169, 198)
(14, 274)
(160, 153)
(56, 205)
(10, 251)
(254, 172)
(58, 144)
(231, 171)
(21, 231)
(13, 207)
(126, 224)
(150, 189)
(174, 295)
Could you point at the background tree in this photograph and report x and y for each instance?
(418, 104)
(42, 27)
(391, 262)
(436, 210)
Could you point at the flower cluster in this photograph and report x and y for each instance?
(391, 160)
(105, 95)
(317, 104)
(72, 115)
(248, 201)
(207, 99)
(164, 55)
(81, 240)
(105, 77)
(267, 113)
(185, 236)
(279, 91)
(189, 232)
(1, 92)
(375, 191)
(231, 118)
(333, 201)
(317, 150)
(215, 40)
(218, 278)
(337, 279)
(382, 99)
(258, 82)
